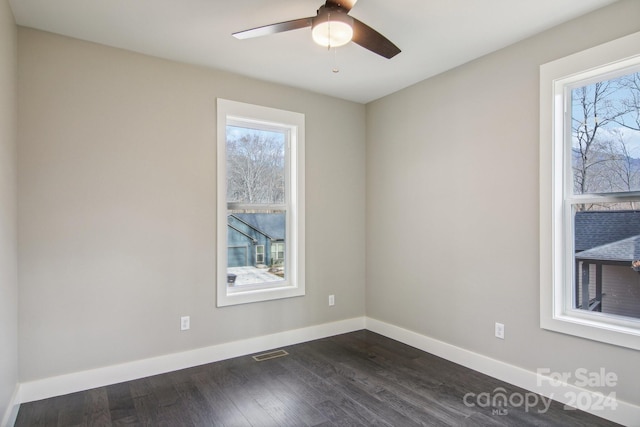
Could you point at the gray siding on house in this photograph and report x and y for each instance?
(237, 256)
(247, 231)
(612, 239)
(620, 288)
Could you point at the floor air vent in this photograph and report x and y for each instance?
(270, 355)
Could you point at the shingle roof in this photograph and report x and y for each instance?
(270, 224)
(598, 228)
(622, 250)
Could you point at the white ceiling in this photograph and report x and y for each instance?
(434, 35)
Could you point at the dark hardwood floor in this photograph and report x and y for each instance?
(355, 379)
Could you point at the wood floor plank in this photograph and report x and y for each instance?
(273, 377)
(350, 382)
(144, 401)
(71, 411)
(196, 405)
(121, 405)
(96, 407)
(405, 396)
(356, 379)
(249, 407)
(163, 390)
(304, 383)
(337, 415)
(372, 402)
(273, 406)
(38, 414)
(324, 370)
(398, 376)
(243, 379)
(221, 410)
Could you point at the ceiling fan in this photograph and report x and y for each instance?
(331, 27)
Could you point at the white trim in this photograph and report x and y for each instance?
(555, 300)
(11, 413)
(626, 413)
(294, 123)
(84, 380)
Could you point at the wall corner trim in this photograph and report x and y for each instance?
(625, 413)
(11, 413)
(84, 380)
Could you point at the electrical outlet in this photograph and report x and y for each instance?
(332, 300)
(499, 330)
(185, 323)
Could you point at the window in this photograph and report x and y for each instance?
(259, 255)
(277, 253)
(260, 203)
(590, 193)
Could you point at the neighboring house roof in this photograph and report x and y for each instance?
(271, 225)
(597, 228)
(625, 250)
(242, 232)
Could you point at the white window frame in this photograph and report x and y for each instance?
(293, 284)
(258, 254)
(556, 219)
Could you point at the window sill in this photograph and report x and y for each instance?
(593, 330)
(228, 297)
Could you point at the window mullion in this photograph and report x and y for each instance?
(590, 194)
(233, 206)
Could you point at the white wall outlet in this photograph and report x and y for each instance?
(332, 300)
(185, 323)
(499, 330)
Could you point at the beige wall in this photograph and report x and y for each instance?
(117, 207)
(452, 206)
(8, 200)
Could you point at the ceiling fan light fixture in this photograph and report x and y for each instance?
(332, 28)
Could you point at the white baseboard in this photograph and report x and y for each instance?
(624, 413)
(84, 380)
(11, 413)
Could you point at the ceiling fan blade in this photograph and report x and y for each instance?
(370, 39)
(345, 4)
(274, 28)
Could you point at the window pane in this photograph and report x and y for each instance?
(607, 260)
(260, 201)
(248, 232)
(605, 133)
(255, 166)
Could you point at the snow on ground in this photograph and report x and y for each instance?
(252, 275)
